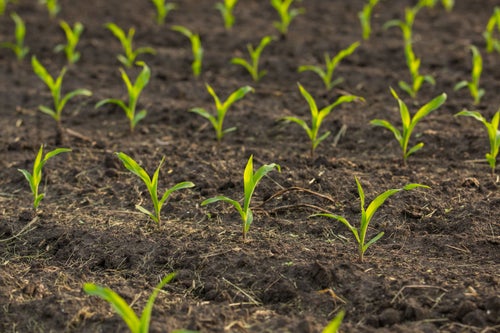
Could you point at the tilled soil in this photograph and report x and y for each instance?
(436, 269)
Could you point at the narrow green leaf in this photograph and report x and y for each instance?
(148, 309)
(389, 126)
(179, 186)
(118, 304)
(135, 168)
(334, 325)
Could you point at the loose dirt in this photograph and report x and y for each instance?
(436, 269)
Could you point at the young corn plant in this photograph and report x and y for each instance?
(365, 18)
(35, 178)
(59, 100)
(162, 10)
(130, 56)
(409, 123)
(417, 79)
(134, 323)
(250, 181)
(367, 215)
(253, 66)
(72, 39)
(477, 69)
(493, 134)
(317, 117)
(222, 108)
(334, 325)
(226, 9)
(152, 186)
(406, 26)
(52, 6)
(330, 64)
(286, 14)
(492, 43)
(412, 61)
(18, 47)
(196, 48)
(134, 91)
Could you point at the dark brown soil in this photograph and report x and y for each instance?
(435, 269)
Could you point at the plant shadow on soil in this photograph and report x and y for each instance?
(435, 269)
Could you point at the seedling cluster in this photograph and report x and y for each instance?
(251, 178)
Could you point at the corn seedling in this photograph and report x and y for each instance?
(406, 26)
(226, 9)
(412, 61)
(473, 85)
(334, 325)
(365, 18)
(129, 58)
(162, 10)
(366, 216)
(413, 64)
(35, 178)
(493, 134)
(492, 43)
(286, 14)
(55, 90)
(152, 186)
(317, 116)
(134, 92)
(330, 64)
(250, 181)
(134, 323)
(72, 39)
(409, 123)
(196, 48)
(52, 6)
(253, 67)
(222, 108)
(18, 47)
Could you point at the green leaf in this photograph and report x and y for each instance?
(143, 78)
(302, 124)
(415, 148)
(389, 126)
(237, 95)
(460, 85)
(55, 152)
(338, 218)
(235, 203)
(147, 212)
(118, 304)
(428, 108)
(70, 95)
(148, 309)
(138, 117)
(377, 202)
(310, 100)
(406, 88)
(135, 168)
(48, 111)
(42, 73)
(334, 325)
(118, 102)
(372, 241)
(174, 188)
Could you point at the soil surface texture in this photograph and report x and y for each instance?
(435, 269)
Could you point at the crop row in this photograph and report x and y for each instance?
(250, 178)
